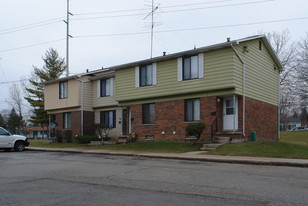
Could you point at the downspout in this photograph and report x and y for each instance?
(278, 104)
(243, 63)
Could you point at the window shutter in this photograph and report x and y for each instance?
(111, 86)
(137, 77)
(154, 68)
(98, 88)
(201, 65)
(180, 69)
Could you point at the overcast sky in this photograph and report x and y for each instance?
(108, 33)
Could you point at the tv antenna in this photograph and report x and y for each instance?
(152, 23)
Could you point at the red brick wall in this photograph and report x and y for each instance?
(169, 117)
(69, 134)
(262, 118)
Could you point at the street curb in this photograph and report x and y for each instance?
(205, 158)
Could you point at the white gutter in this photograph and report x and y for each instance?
(237, 54)
(81, 101)
(278, 104)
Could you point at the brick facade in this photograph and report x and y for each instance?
(68, 135)
(262, 118)
(169, 117)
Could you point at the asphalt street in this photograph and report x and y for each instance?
(55, 178)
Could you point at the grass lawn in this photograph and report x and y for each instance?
(296, 137)
(159, 146)
(41, 143)
(291, 145)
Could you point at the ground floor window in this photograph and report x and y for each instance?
(192, 110)
(148, 113)
(67, 120)
(108, 118)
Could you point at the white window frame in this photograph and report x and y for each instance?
(154, 76)
(180, 67)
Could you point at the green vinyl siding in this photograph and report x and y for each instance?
(223, 75)
(218, 75)
(261, 80)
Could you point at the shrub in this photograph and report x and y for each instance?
(195, 129)
(86, 139)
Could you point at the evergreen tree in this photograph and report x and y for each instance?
(53, 69)
(14, 122)
(2, 122)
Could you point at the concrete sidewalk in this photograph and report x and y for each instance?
(196, 156)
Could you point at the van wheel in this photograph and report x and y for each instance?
(19, 146)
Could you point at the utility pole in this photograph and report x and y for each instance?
(67, 35)
(152, 24)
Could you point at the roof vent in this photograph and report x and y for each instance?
(164, 53)
(228, 39)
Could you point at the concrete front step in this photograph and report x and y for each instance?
(210, 147)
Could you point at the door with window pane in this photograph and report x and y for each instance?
(230, 114)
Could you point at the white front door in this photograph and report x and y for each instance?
(230, 113)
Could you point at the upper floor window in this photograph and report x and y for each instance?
(63, 90)
(146, 75)
(108, 118)
(105, 87)
(67, 120)
(191, 67)
(192, 110)
(148, 113)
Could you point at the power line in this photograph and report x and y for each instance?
(133, 10)
(14, 81)
(33, 45)
(32, 24)
(170, 11)
(190, 29)
(41, 25)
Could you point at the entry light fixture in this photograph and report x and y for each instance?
(246, 48)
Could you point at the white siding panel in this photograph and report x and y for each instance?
(201, 65)
(98, 88)
(180, 69)
(137, 77)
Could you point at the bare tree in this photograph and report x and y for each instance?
(287, 52)
(15, 98)
(302, 72)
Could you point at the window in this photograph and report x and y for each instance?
(105, 88)
(192, 110)
(108, 118)
(148, 113)
(190, 67)
(63, 90)
(67, 120)
(146, 75)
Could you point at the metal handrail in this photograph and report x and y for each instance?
(214, 127)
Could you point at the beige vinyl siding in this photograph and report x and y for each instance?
(218, 75)
(102, 101)
(87, 96)
(52, 100)
(261, 78)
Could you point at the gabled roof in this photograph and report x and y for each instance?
(180, 54)
(204, 49)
